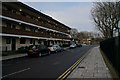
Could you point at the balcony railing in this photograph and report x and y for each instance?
(29, 33)
(29, 20)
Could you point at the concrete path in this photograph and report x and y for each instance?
(13, 56)
(93, 66)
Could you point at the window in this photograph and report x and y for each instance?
(47, 33)
(22, 41)
(36, 19)
(39, 31)
(31, 41)
(14, 26)
(34, 42)
(27, 16)
(9, 9)
(8, 25)
(18, 13)
(4, 8)
(8, 40)
(22, 27)
(23, 14)
(39, 42)
(57, 34)
(32, 30)
(13, 11)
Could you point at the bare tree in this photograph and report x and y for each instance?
(74, 32)
(106, 17)
(85, 35)
(82, 35)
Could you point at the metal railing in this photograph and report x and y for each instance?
(111, 48)
(23, 18)
(29, 33)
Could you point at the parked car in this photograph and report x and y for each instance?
(79, 45)
(38, 50)
(83, 44)
(55, 48)
(22, 49)
(73, 46)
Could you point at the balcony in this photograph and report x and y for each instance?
(29, 20)
(29, 33)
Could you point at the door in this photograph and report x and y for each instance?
(45, 43)
(48, 43)
(13, 44)
(33, 42)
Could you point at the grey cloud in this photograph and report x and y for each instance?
(75, 17)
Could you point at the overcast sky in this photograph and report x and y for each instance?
(73, 14)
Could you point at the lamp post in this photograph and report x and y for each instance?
(117, 46)
(119, 28)
(119, 18)
(116, 31)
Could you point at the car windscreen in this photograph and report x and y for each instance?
(32, 47)
(72, 44)
(55, 46)
(42, 47)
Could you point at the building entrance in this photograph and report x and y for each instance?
(13, 44)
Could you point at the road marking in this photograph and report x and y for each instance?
(65, 75)
(69, 70)
(66, 71)
(15, 72)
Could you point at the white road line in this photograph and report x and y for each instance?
(15, 72)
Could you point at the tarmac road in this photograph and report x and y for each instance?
(45, 67)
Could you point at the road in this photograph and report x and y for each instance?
(49, 66)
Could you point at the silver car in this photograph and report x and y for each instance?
(73, 46)
(55, 48)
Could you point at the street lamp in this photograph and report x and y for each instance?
(119, 18)
(118, 15)
(119, 28)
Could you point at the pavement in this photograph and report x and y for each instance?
(13, 56)
(92, 66)
(17, 55)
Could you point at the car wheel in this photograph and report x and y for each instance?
(40, 54)
(56, 51)
(49, 52)
(29, 55)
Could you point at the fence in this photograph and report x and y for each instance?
(111, 48)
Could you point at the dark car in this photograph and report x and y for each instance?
(38, 50)
(79, 45)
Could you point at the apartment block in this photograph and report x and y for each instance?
(24, 26)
